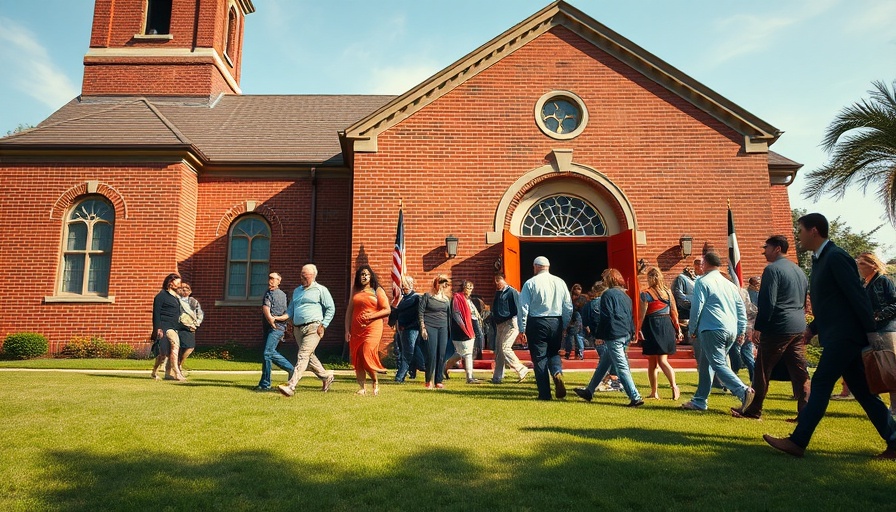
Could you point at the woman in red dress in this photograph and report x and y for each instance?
(364, 317)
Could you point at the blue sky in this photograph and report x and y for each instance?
(793, 63)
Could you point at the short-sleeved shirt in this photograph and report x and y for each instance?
(275, 300)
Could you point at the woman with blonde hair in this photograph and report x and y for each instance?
(432, 312)
(882, 292)
(660, 330)
(364, 316)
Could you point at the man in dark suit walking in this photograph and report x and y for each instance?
(843, 316)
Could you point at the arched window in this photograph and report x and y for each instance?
(230, 43)
(249, 252)
(563, 216)
(87, 247)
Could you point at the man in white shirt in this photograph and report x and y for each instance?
(543, 311)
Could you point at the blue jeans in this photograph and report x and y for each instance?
(742, 357)
(602, 354)
(615, 356)
(574, 339)
(272, 356)
(842, 358)
(411, 355)
(543, 335)
(434, 348)
(713, 361)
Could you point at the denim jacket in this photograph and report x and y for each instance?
(882, 293)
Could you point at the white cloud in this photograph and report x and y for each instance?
(398, 79)
(745, 34)
(878, 17)
(28, 67)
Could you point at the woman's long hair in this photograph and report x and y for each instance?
(655, 279)
(167, 281)
(874, 261)
(437, 285)
(374, 282)
(612, 278)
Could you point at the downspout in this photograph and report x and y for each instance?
(313, 213)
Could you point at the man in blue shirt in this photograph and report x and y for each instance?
(718, 320)
(504, 311)
(310, 312)
(544, 310)
(273, 308)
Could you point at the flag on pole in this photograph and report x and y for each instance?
(398, 257)
(733, 253)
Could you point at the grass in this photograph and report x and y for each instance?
(88, 441)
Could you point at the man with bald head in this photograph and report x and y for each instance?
(310, 312)
(543, 311)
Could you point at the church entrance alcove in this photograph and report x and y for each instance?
(577, 228)
(575, 261)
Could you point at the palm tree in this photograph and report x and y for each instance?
(862, 140)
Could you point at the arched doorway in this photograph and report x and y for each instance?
(578, 219)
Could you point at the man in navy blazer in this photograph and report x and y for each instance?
(843, 316)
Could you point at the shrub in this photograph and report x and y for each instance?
(25, 345)
(120, 351)
(83, 347)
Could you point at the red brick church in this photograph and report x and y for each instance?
(559, 137)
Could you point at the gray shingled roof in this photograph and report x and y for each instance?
(232, 128)
(778, 160)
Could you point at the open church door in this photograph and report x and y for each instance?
(511, 259)
(621, 256)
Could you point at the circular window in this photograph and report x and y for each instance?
(561, 115)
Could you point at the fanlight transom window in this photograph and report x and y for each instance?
(563, 216)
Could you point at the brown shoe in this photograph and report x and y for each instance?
(559, 386)
(785, 445)
(888, 454)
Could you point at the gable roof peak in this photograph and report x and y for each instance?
(758, 134)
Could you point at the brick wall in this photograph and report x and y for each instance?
(174, 222)
(115, 24)
(452, 161)
(148, 213)
(286, 205)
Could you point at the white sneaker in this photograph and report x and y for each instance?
(285, 390)
(329, 380)
(523, 374)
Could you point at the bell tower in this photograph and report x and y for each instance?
(165, 47)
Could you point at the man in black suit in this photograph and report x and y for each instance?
(843, 316)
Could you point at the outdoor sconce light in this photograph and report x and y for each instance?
(686, 242)
(451, 246)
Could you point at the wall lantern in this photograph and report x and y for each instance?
(686, 243)
(451, 246)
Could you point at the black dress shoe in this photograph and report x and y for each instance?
(635, 403)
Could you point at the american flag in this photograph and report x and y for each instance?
(733, 253)
(398, 257)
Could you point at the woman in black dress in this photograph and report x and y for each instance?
(660, 330)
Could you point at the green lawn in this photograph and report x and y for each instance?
(81, 441)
